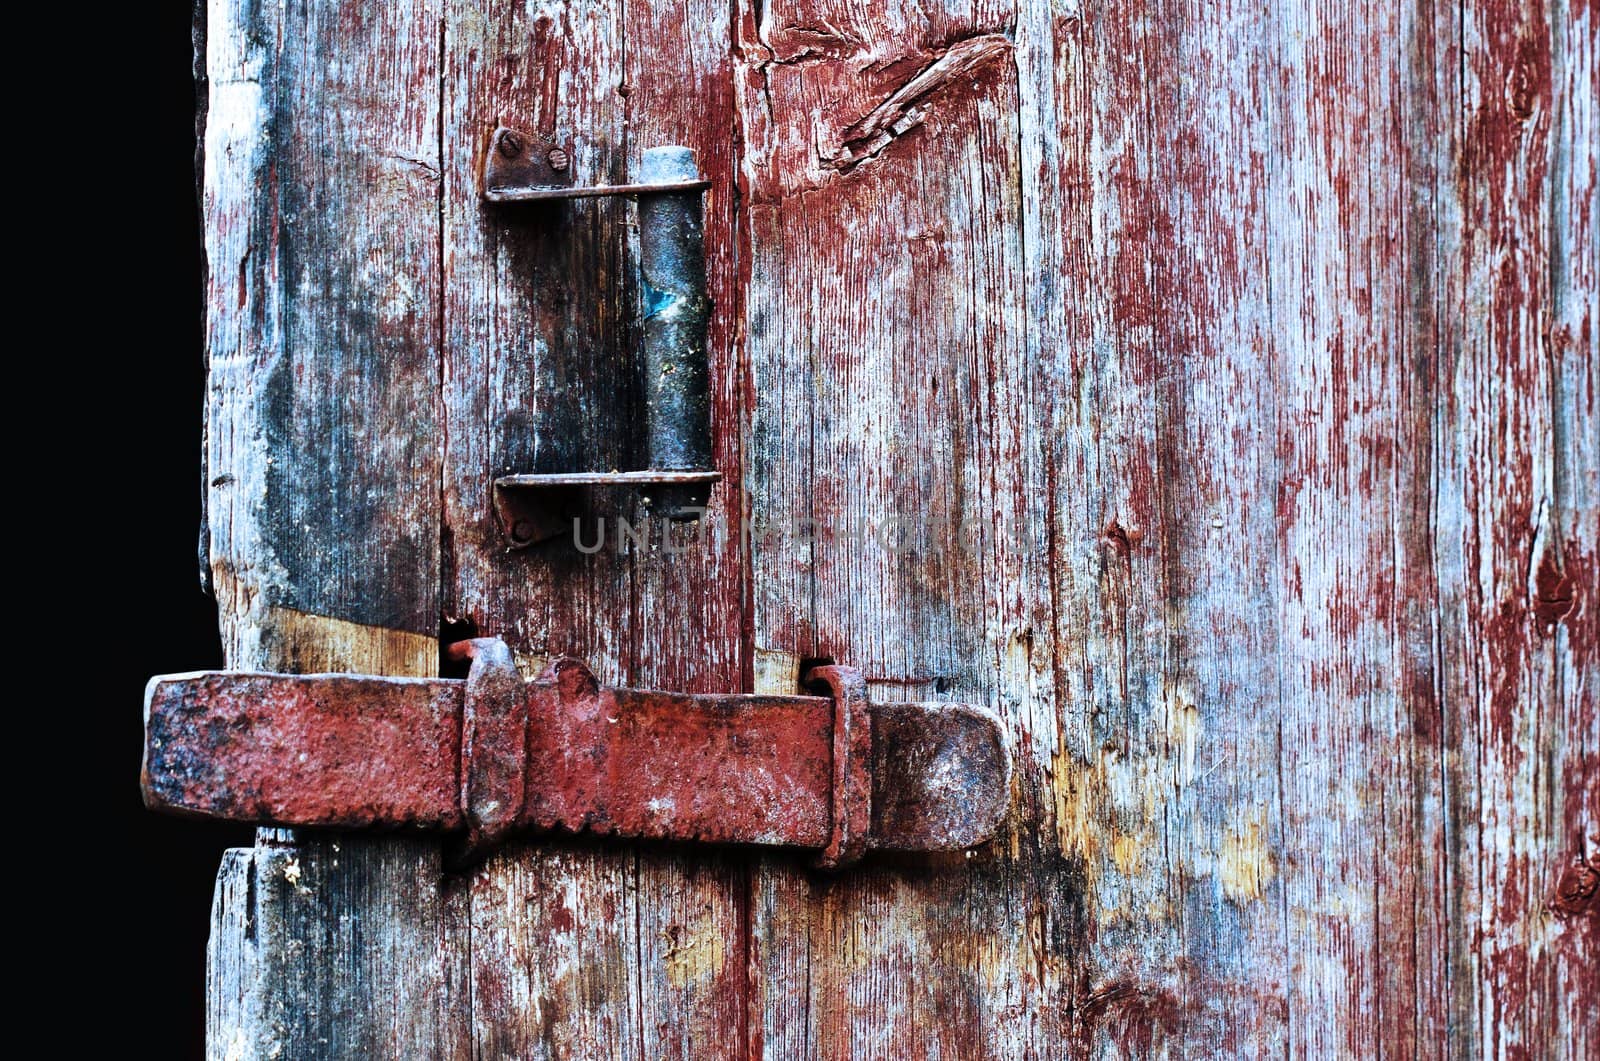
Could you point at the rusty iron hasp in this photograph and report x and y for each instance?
(494, 755)
(534, 507)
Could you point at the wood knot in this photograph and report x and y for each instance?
(1576, 890)
(1554, 593)
(1121, 539)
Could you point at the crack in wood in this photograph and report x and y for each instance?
(907, 107)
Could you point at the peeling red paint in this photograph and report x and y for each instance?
(1303, 302)
(1553, 597)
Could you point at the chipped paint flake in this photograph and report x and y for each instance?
(1245, 865)
(693, 954)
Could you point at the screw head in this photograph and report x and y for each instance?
(558, 160)
(509, 144)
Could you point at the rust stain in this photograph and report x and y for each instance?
(1106, 815)
(1080, 800)
(1134, 1016)
(1141, 1015)
(1127, 854)
(1183, 730)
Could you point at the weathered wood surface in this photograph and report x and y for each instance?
(323, 470)
(1210, 388)
(578, 949)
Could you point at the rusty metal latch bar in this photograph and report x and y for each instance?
(677, 418)
(493, 755)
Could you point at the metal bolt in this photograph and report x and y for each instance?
(558, 160)
(510, 144)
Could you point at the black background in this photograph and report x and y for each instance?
(113, 595)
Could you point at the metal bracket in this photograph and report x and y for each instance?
(494, 755)
(494, 738)
(521, 168)
(852, 762)
(534, 507)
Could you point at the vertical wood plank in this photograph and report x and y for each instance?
(321, 200)
(688, 586)
(232, 969)
(614, 951)
(1148, 275)
(322, 450)
(537, 377)
(888, 465)
(1308, 384)
(1360, 755)
(1518, 533)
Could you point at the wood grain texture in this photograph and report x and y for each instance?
(886, 326)
(1301, 449)
(615, 951)
(323, 494)
(322, 318)
(1519, 551)
(1207, 388)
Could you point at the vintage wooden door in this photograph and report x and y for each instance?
(1207, 388)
